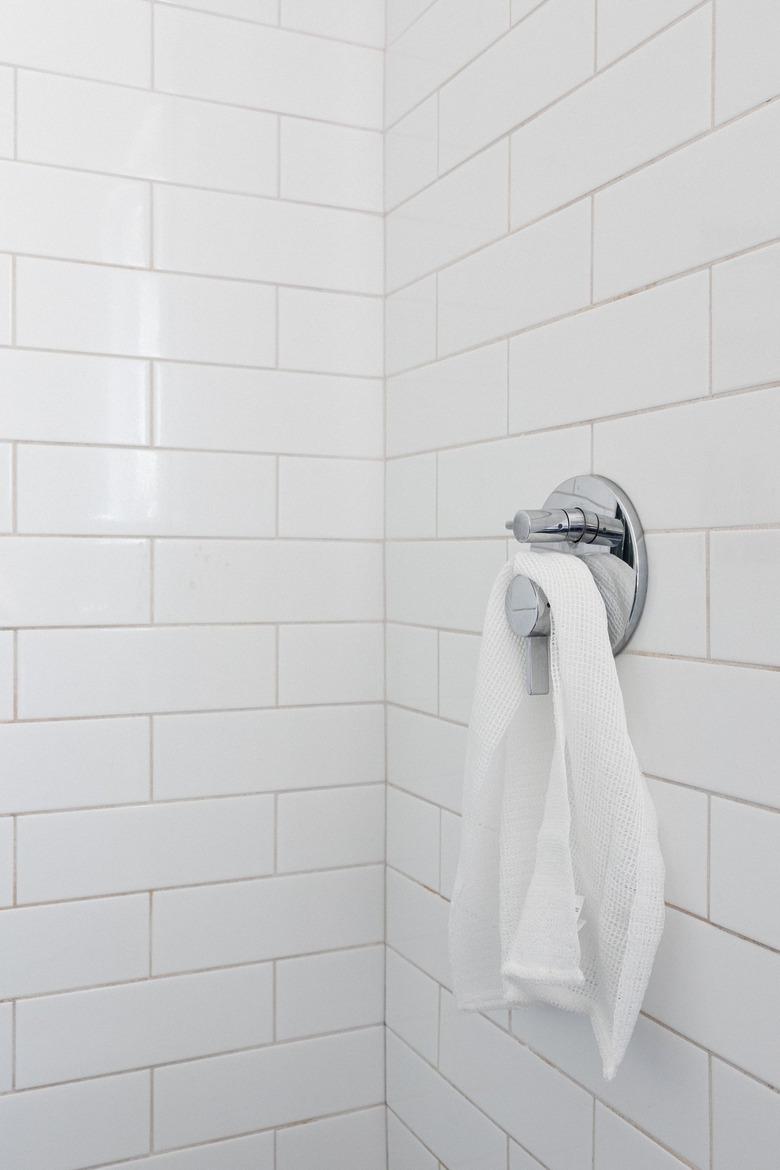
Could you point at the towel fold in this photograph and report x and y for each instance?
(559, 892)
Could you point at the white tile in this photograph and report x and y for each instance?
(155, 314)
(6, 1047)
(745, 563)
(255, 1152)
(404, 1152)
(674, 620)
(522, 8)
(411, 497)
(149, 135)
(362, 21)
(518, 1158)
(255, 751)
(642, 351)
(128, 671)
(458, 400)
(720, 991)
(411, 153)
(410, 325)
(650, 225)
(268, 68)
(331, 164)
(746, 1116)
(6, 861)
(619, 1145)
(479, 486)
(434, 47)
(6, 674)
(417, 926)
(458, 654)
(413, 837)
(90, 1033)
(111, 42)
(355, 1141)
(329, 993)
(266, 410)
(683, 833)
(747, 36)
(450, 848)
(401, 13)
(412, 1006)
(248, 238)
(80, 854)
(331, 498)
(745, 344)
(412, 669)
(70, 398)
(159, 493)
(719, 483)
(6, 300)
(448, 1124)
(461, 212)
(425, 756)
(268, 581)
(529, 277)
(330, 332)
(53, 212)
(337, 826)
(262, 11)
(7, 112)
(643, 106)
(77, 944)
(420, 576)
(621, 26)
(745, 870)
(693, 742)
(541, 59)
(331, 664)
(73, 763)
(270, 1086)
(247, 922)
(71, 1126)
(52, 582)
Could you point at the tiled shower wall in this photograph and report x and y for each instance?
(191, 752)
(583, 274)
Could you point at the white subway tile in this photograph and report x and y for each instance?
(719, 483)
(271, 1086)
(72, 1126)
(411, 153)
(268, 581)
(413, 837)
(529, 277)
(684, 836)
(745, 870)
(262, 11)
(401, 13)
(266, 239)
(6, 861)
(642, 351)
(125, 672)
(52, 582)
(54, 948)
(362, 21)
(425, 755)
(745, 342)
(331, 663)
(519, 1159)
(247, 922)
(417, 926)
(255, 1152)
(650, 225)
(268, 68)
(70, 398)
(329, 993)
(222, 753)
(413, 1006)
(674, 620)
(450, 848)
(111, 42)
(155, 314)
(7, 655)
(6, 1047)
(160, 493)
(80, 854)
(747, 38)
(410, 325)
(462, 211)
(145, 134)
(619, 1145)
(621, 26)
(90, 1033)
(355, 1141)
(479, 486)
(336, 826)
(331, 164)
(7, 112)
(745, 1116)
(6, 300)
(404, 1152)
(522, 8)
(540, 60)
(412, 668)
(745, 563)
(420, 576)
(411, 497)
(331, 498)
(458, 654)
(330, 332)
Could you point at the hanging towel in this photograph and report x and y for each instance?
(559, 892)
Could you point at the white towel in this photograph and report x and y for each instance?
(559, 891)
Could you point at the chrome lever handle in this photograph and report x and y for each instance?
(575, 525)
(528, 614)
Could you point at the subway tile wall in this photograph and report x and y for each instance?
(191, 593)
(583, 273)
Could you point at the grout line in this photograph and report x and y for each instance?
(713, 50)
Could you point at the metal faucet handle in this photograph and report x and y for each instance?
(549, 526)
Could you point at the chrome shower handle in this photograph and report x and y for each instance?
(575, 525)
(528, 614)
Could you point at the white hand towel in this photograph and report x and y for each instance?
(559, 891)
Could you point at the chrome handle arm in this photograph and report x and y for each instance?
(577, 525)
